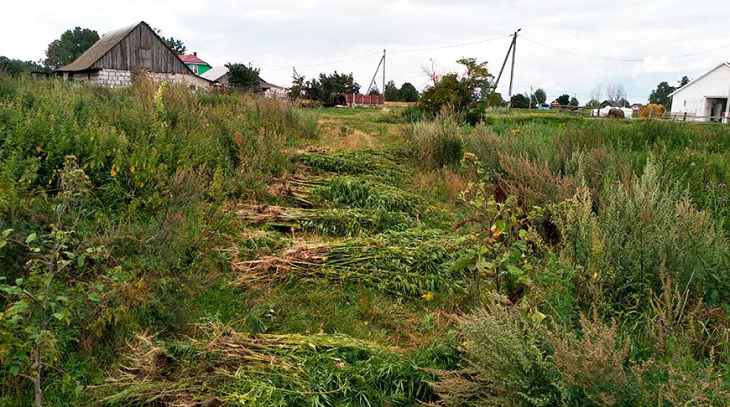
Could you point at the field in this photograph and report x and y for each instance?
(159, 247)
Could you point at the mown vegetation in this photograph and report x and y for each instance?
(166, 248)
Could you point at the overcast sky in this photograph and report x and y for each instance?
(568, 46)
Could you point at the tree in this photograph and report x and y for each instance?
(540, 96)
(297, 85)
(660, 95)
(244, 77)
(327, 88)
(520, 101)
(574, 102)
(564, 100)
(15, 67)
(176, 45)
(392, 93)
(615, 93)
(593, 104)
(408, 92)
(69, 46)
(460, 92)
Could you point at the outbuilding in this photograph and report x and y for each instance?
(119, 55)
(705, 98)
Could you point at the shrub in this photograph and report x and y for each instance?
(438, 143)
(640, 229)
(507, 363)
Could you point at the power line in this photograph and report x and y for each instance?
(397, 51)
(615, 59)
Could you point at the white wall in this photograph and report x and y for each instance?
(691, 99)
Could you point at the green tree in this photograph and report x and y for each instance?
(392, 93)
(245, 77)
(593, 104)
(574, 102)
(15, 66)
(177, 46)
(408, 93)
(460, 92)
(69, 46)
(520, 101)
(540, 96)
(564, 100)
(328, 87)
(660, 95)
(297, 85)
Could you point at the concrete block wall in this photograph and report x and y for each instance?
(113, 78)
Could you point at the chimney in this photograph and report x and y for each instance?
(195, 53)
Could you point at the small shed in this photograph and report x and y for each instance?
(119, 55)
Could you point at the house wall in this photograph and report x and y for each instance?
(692, 100)
(114, 78)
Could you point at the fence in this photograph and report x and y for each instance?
(365, 100)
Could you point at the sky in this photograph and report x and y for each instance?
(576, 47)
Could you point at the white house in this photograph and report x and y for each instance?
(705, 98)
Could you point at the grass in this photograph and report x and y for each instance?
(230, 250)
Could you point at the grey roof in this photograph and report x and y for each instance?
(215, 74)
(98, 50)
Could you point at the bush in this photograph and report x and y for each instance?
(639, 230)
(438, 143)
(507, 363)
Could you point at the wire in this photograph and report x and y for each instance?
(628, 60)
(463, 44)
(631, 60)
(392, 51)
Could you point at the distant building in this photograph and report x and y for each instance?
(219, 77)
(197, 65)
(705, 98)
(119, 55)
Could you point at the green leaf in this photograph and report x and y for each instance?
(31, 238)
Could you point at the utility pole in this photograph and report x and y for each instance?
(512, 48)
(375, 75)
(512, 71)
(383, 76)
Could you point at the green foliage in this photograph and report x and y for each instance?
(458, 92)
(408, 93)
(508, 363)
(660, 95)
(329, 87)
(438, 143)
(69, 46)
(359, 162)
(640, 231)
(14, 67)
(357, 192)
(520, 101)
(392, 93)
(113, 200)
(244, 77)
(540, 96)
(279, 370)
(411, 263)
(564, 100)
